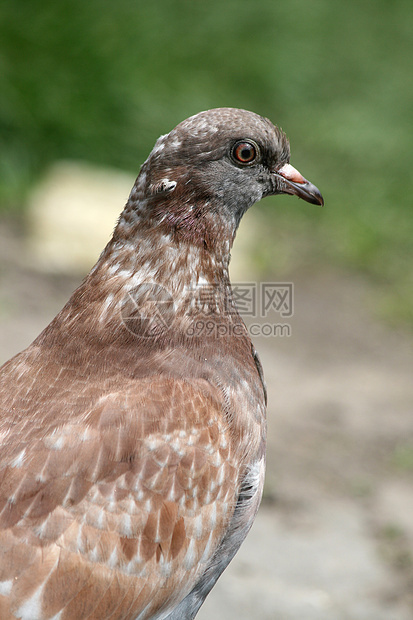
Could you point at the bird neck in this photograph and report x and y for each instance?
(148, 260)
(160, 255)
(186, 212)
(153, 285)
(149, 267)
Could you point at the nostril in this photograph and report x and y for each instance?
(291, 174)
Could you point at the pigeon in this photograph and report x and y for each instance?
(133, 429)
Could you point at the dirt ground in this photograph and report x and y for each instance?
(334, 535)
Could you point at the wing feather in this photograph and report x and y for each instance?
(120, 506)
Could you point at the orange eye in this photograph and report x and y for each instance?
(245, 152)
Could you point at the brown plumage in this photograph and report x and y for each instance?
(132, 432)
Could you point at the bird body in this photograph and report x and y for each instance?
(132, 430)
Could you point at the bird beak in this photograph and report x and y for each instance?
(290, 181)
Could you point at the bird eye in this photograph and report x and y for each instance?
(245, 152)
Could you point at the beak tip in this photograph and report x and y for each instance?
(294, 183)
(319, 200)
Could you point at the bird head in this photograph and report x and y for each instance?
(202, 177)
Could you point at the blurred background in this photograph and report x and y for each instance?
(85, 90)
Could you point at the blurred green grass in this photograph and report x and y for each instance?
(99, 81)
